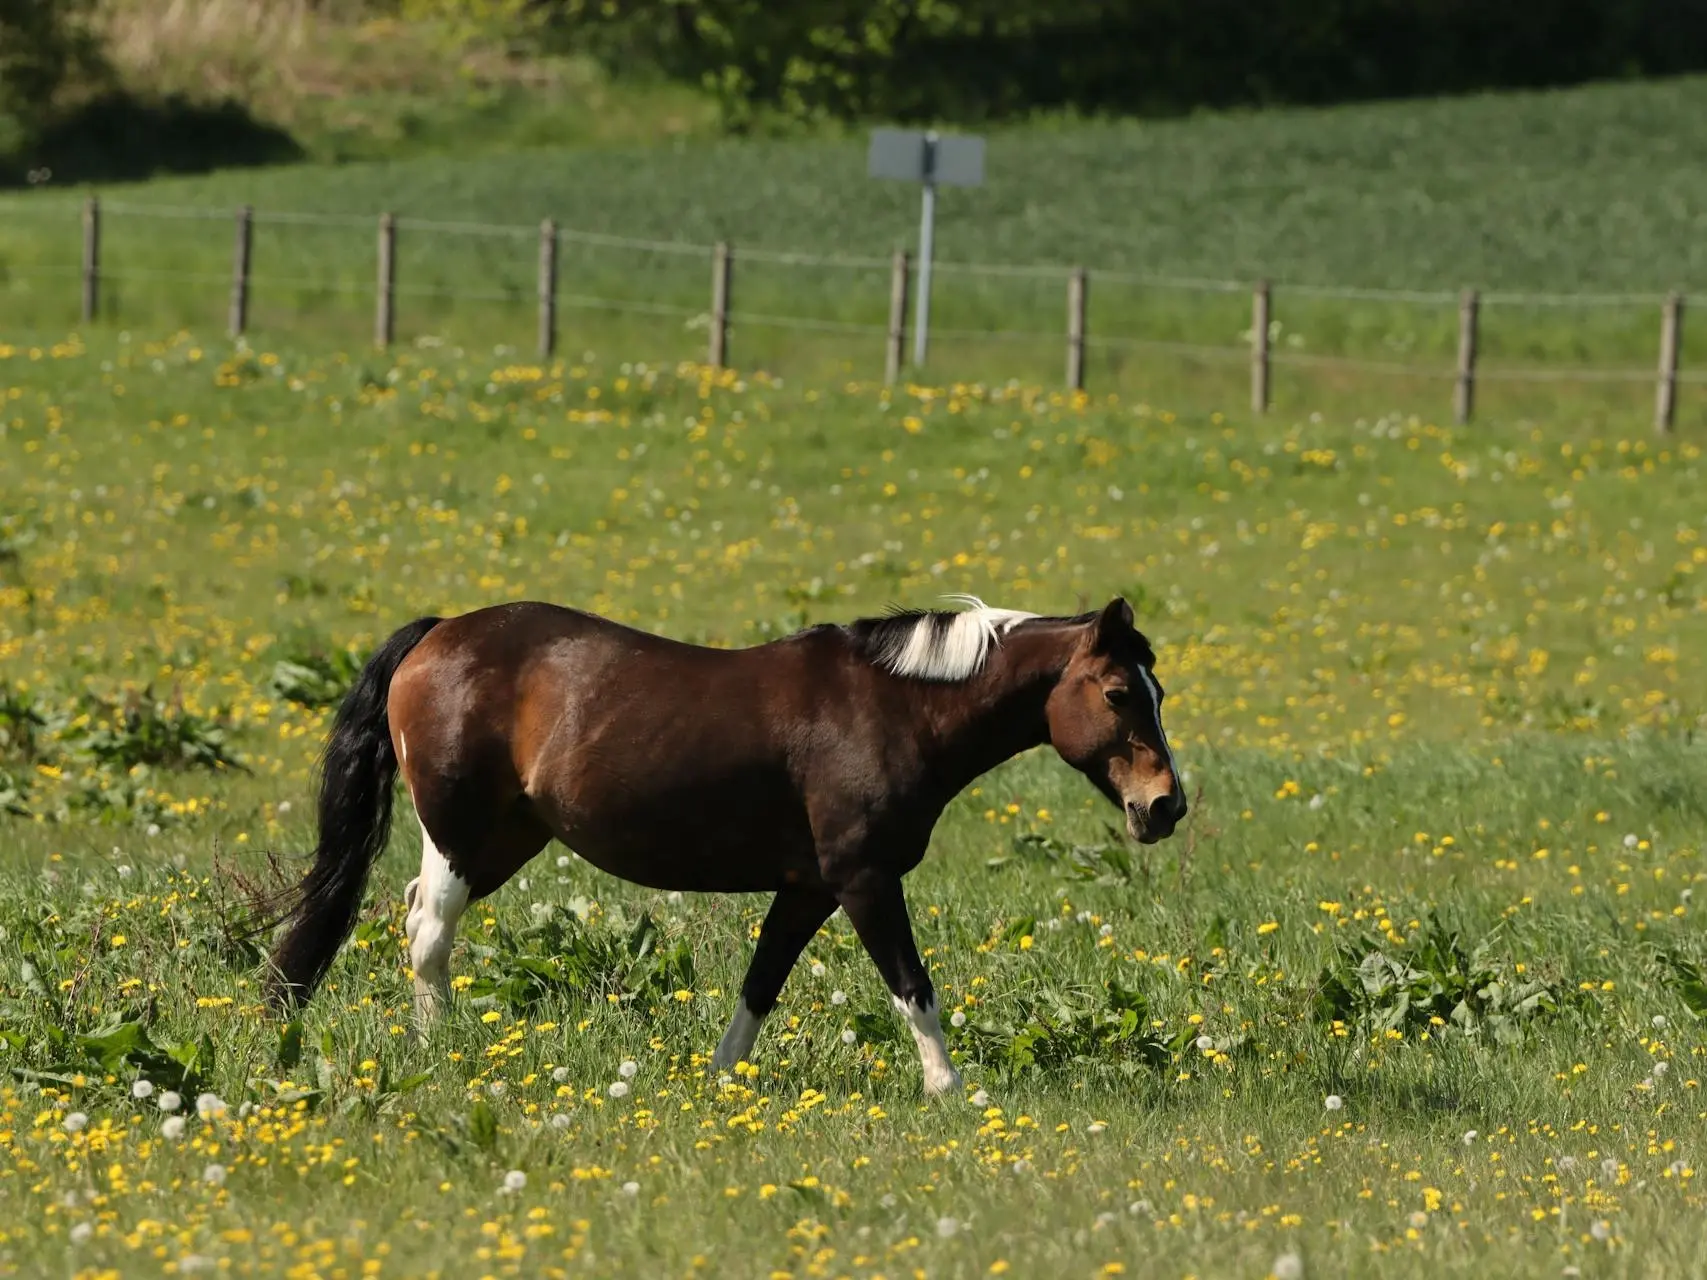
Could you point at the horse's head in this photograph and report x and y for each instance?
(1105, 719)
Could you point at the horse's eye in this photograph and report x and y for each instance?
(1116, 697)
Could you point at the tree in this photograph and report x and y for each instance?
(43, 45)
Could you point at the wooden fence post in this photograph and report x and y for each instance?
(1464, 390)
(385, 292)
(722, 267)
(1671, 337)
(91, 259)
(547, 289)
(1078, 286)
(1259, 348)
(900, 273)
(238, 322)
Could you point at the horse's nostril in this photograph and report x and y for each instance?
(1169, 808)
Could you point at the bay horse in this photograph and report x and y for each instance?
(813, 767)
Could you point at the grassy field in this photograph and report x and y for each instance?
(1419, 988)
(1580, 190)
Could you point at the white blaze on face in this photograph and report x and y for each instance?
(1149, 682)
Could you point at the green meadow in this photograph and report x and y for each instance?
(1418, 987)
(1582, 191)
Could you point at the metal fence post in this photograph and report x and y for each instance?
(900, 272)
(91, 259)
(547, 289)
(1671, 338)
(1077, 288)
(238, 320)
(722, 267)
(1259, 348)
(1464, 390)
(384, 316)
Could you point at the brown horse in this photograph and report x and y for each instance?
(813, 768)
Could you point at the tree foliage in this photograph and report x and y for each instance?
(43, 45)
(982, 59)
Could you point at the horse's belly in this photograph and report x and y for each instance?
(691, 849)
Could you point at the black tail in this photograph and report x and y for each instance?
(356, 776)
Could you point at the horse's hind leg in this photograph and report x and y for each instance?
(878, 910)
(472, 863)
(435, 902)
(795, 916)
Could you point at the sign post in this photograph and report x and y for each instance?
(930, 159)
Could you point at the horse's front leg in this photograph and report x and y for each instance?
(796, 914)
(874, 902)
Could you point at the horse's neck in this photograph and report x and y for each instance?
(1001, 711)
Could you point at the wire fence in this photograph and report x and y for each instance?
(516, 265)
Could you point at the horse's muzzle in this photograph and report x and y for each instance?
(1157, 820)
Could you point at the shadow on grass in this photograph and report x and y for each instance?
(118, 137)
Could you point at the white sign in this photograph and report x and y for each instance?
(928, 158)
(911, 155)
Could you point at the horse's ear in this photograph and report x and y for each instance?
(1113, 625)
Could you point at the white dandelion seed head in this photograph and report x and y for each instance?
(210, 1106)
(818, 969)
(618, 1089)
(515, 1180)
(561, 1120)
(75, 1122)
(1470, 1135)
(172, 1128)
(214, 1175)
(1205, 1043)
(628, 1069)
(1659, 1021)
(980, 1098)
(153, 828)
(1333, 1102)
(82, 1233)
(957, 1018)
(124, 870)
(1419, 1219)
(1096, 1127)
(559, 1074)
(562, 861)
(1138, 1208)
(1564, 1164)
(497, 1088)
(946, 1227)
(1660, 1068)
(1609, 1167)
(838, 997)
(1022, 1165)
(631, 1188)
(1630, 840)
(1105, 931)
(850, 1036)
(1103, 1219)
(1601, 1230)
(1288, 1266)
(1318, 800)
(169, 1101)
(1677, 1167)
(889, 1201)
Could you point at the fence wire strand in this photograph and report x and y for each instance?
(525, 293)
